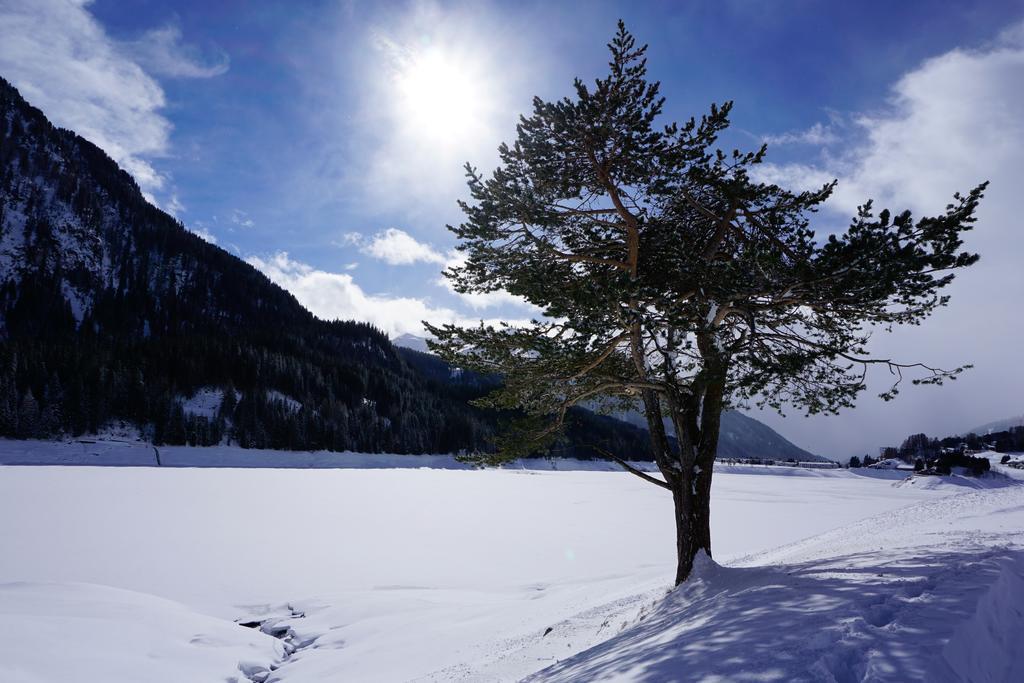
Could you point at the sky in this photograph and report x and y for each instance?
(323, 141)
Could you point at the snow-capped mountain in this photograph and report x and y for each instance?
(78, 238)
(411, 341)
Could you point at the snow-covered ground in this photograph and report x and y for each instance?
(53, 632)
(930, 592)
(120, 574)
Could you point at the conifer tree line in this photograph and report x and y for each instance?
(111, 311)
(952, 451)
(921, 445)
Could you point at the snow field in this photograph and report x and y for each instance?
(431, 574)
(82, 632)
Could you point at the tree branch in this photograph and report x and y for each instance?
(612, 345)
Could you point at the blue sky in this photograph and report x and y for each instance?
(291, 133)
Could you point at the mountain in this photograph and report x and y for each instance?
(411, 341)
(741, 436)
(997, 426)
(111, 311)
(744, 437)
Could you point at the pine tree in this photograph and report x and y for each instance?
(671, 279)
(28, 417)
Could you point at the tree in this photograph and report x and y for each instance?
(673, 280)
(854, 462)
(889, 453)
(28, 417)
(915, 445)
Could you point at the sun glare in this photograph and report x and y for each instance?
(441, 100)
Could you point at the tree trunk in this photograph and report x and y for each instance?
(691, 497)
(691, 490)
(696, 416)
(656, 430)
(689, 478)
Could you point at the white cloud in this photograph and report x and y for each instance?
(62, 61)
(241, 218)
(350, 239)
(160, 51)
(399, 248)
(954, 121)
(337, 296)
(818, 134)
(201, 231)
(478, 300)
(174, 206)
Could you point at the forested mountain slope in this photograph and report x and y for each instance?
(111, 310)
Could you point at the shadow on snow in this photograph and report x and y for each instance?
(939, 617)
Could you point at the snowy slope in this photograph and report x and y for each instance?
(81, 632)
(430, 574)
(930, 592)
(411, 341)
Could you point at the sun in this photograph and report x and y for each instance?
(441, 98)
